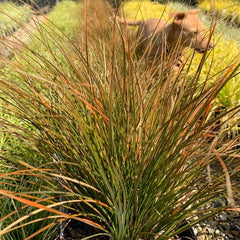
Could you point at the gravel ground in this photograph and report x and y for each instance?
(223, 226)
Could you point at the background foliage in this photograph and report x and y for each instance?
(229, 10)
(12, 17)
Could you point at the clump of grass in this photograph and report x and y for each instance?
(229, 10)
(107, 142)
(12, 17)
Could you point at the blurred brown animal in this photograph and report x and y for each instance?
(155, 36)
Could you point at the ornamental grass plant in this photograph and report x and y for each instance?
(104, 140)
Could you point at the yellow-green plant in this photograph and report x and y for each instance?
(145, 9)
(121, 147)
(140, 10)
(229, 10)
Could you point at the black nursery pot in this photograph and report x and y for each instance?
(77, 230)
(188, 234)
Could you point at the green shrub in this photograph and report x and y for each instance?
(65, 16)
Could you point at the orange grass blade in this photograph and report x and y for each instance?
(46, 208)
